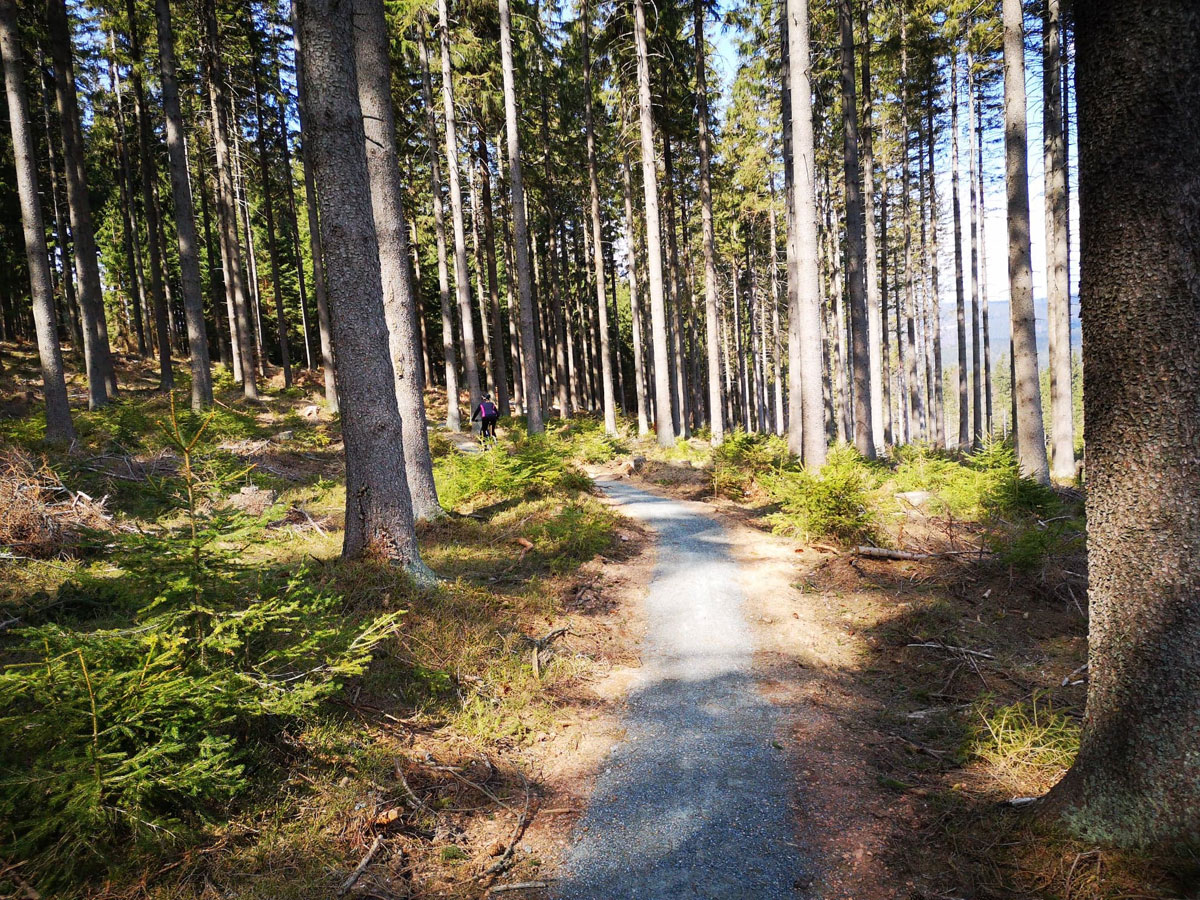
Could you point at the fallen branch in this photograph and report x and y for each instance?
(1070, 679)
(911, 555)
(950, 648)
(361, 867)
(408, 792)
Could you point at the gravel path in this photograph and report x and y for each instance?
(695, 801)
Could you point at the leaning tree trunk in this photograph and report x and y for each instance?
(1134, 781)
(1027, 392)
(59, 429)
(860, 363)
(387, 202)
(102, 379)
(148, 169)
(1058, 292)
(453, 417)
(462, 280)
(708, 235)
(185, 218)
(658, 309)
(804, 321)
(314, 238)
(379, 515)
(516, 181)
(606, 374)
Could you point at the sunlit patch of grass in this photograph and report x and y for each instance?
(1026, 746)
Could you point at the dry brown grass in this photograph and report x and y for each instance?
(40, 517)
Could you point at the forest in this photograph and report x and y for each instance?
(724, 448)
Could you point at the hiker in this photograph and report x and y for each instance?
(488, 415)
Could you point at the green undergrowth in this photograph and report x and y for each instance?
(171, 682)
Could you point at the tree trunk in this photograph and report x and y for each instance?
(977, 423)
(59, 428)
(489, 243)
(102, 379)
(314, 240)
(533, 387)
(185, 220)
(606, 373)
(1058, 292)
(1031, 442)
(241, 331)
(804, 368)
(658, 311)
(933, 320)
(1134, 781)
(983, 295)
(129, 241)
(960, 304)
(876, 339)
(61, 237)
(708, 238)
(481, 288)
(776, 346)
(453, 417)
(264, 163)
(166, 378)
(391, 230)
(379, 516)
(860, 362)
(915, 410)
(462, 280)
(635, 301)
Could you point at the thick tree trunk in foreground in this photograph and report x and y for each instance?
(658, 305)
(102, 379)
(1027, 392)
(462, 279)
(379, 515)
(314, 238)
(185, 218)
(387, 202)
(1134, 781)
(59, 428)
(804, 369)
(1062, 428)
(860, 362)
(533, 385)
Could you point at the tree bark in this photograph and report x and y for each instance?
(708, 236)
(314, 239)
(533, 386)
(166, 378)
(59, 428)
(876, 339)
(1134, 781)
(264, 164)
(462, 279)
(860, 362)
(489, 243)
(61, 237)
(130, 244)
(185, 218)
(1058, 292)
(391, 230)
(1031, 441)
(102, 379)
(241, 331)
(658, 311)
(379, 515)
(453, 417)
(960, 306)
(606, 373)
(635, 300)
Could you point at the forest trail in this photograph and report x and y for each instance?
(695, 802)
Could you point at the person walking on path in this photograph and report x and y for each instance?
(488, 415)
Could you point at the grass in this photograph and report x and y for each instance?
(453, 664)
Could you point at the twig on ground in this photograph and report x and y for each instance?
(1070, 679)
(408, 792)
(950, 648)
(506, 857)
(361, 867)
